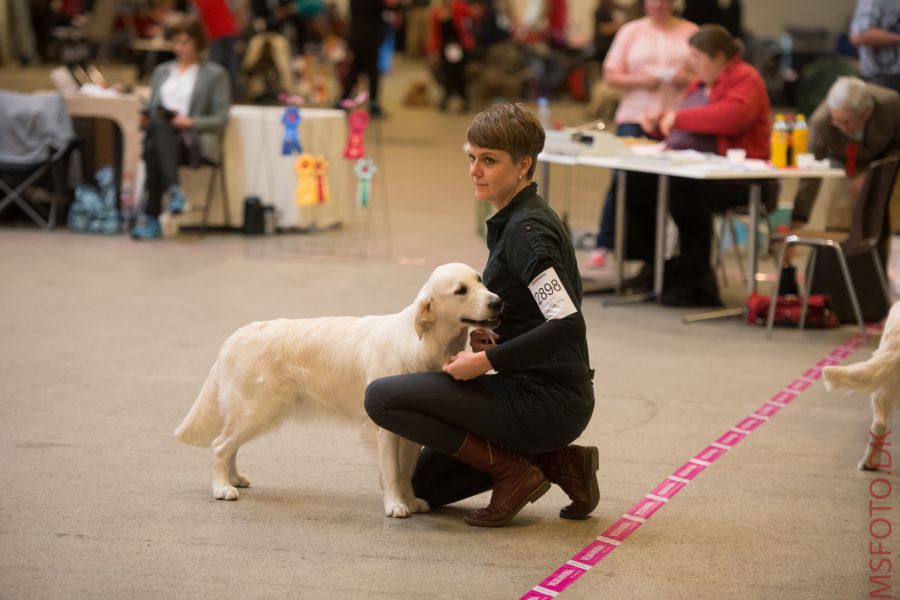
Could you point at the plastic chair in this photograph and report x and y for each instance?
(866, 230)
(728, 225)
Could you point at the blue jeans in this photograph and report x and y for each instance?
(606, 236)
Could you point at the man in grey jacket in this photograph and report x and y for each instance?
(857, 124)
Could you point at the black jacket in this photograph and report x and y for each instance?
(524, 239)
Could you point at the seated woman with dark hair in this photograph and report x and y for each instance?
(188, 109)
(728, 107)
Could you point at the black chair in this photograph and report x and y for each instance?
(866, 231)
(217, 172)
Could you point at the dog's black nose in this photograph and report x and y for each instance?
(496, 305)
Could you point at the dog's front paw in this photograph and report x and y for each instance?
(396, 509)
(238, 480)
(420, 505)
(225, 492)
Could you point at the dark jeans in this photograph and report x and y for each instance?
(527, 416)
(365, 60)
(453, 78)
(222, 51)
(162, 155)
(606, 236)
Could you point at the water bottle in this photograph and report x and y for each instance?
(800, 137)
(779, 143)
(543, 113)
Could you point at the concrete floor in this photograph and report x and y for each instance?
(105, 343)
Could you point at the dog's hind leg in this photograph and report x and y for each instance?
(225, 447)
(873, 459)
(409, 454)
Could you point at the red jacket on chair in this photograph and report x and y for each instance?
(738, 113)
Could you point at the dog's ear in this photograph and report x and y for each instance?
(424, 315)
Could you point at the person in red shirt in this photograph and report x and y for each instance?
(727, 107)
(222, 33)
(449, 46)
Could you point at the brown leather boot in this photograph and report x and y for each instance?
(574, 469)
(516, 481)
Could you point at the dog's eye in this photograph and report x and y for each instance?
(461, 291)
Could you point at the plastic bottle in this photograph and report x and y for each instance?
(543, 112)
(800, 137)
(779, 142)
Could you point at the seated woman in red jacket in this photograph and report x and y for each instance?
(728, 107)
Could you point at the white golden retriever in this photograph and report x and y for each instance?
(880, 376)
(271, 370)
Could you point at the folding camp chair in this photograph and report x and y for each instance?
(35, 135)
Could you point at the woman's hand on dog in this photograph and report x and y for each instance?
(467, 365)
(482, 339)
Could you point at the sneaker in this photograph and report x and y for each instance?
(177, 201)
(787, 283)
(376, 112)
(597, 259)
(147, 229)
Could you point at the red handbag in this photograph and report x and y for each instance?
(788, 309)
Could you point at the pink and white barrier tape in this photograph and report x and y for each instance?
(603, 545)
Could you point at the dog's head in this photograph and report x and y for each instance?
(454, 295)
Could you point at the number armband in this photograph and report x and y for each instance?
(551, 296)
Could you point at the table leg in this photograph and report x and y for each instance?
(662, 213)
(621, 240)
(752, 246)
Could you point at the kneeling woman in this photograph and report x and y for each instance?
(509, 431)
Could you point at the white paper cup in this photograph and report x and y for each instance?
(736, 155)
(806, 161)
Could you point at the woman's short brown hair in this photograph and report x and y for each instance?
(193, 27)
(712, 39)
(511, 128)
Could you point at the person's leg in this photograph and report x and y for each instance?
(465, 419)
(607, 229)
(352, 73)
(437, 411)
(440, 479)
(222, 51)
(371, 69)
(153, 204)
(690, 209)
(167, 147)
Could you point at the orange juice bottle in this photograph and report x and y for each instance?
(801, 137)
(779, 142)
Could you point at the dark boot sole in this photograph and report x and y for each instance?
(589, 469)
(540, 491)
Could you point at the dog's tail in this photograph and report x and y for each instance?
(865, 376)
(204, 421)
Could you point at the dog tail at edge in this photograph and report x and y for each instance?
(204, 421)
(864, 376)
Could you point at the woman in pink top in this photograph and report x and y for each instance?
(648, 61)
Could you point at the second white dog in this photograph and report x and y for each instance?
(880, 376)
(271, 370)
